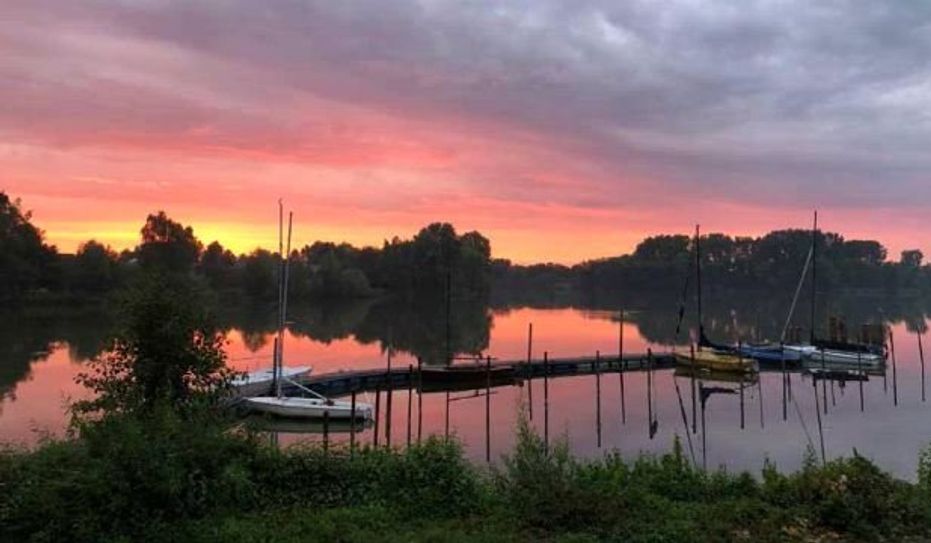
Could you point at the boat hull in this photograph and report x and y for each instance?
(719, 362)
(259, 382)
(307, 408)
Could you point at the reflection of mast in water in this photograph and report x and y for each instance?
(705, 392)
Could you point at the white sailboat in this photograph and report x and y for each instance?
(316, 406)
(261, 381)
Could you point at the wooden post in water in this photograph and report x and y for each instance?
(410, 400)
(530, 369)
(377, 413)
(814, 384)
(921, 358)
(759, 382)
(326, 431)
(419, 399)
(389, 395)
(785, 398)
(622, 366)
(704, 434)
(546, 401)
(860, 377)
(649, 393)
(598, 397)
(488, 408)
(446, 430)
(895, 381)
(740, 358)
(824, 383)
(352, 426)
(692, 382)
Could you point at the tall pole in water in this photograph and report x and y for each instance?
(814, 275)
(921, 357)
(701, 326)
(284, 305)
(530, 368)
(621, 365)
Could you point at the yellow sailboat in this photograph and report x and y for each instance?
(715, 362)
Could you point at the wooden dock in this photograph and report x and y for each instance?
(346, 382)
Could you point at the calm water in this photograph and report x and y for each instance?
(41, 354)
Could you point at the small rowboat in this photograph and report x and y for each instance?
(814, 356)
(716, 361)
(770, 353)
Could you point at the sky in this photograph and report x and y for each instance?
(561, 130)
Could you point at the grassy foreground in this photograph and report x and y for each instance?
(164, 479)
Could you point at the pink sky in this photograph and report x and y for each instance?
(562, 132)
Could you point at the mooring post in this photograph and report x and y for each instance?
(895, 381)
(446, 429)
(622, 367)
(921, 358)
(759, 382)
(704, 434)
(650, 393)
(410, 400)
(352, 427)
(692, 383)
(860, 377)
(389, 396)
(598, 397)
(530, 369)
(824, 383)
(326, 431)
(785, 392)
(814, 384)
(377, 412)
(419, 399)
(488, 408)
(546, 401)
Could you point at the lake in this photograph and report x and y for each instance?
(42, 352)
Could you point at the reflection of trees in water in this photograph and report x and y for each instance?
(731, 316)
(29, 336)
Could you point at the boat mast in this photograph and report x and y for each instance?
(284, 304)
(701, 326)
(814, 275)
(277, 351)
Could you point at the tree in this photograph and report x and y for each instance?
(26, 262)
(912, 258)
(217, 265)
(167, 352)
(95, 268)
(168, 245)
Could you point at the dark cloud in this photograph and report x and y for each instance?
(770, 103)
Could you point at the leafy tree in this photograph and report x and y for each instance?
(167, 352)
(26, 262)
(218, 266)
(912, 258)
(260, 273)
(168, 245)
(95, 268)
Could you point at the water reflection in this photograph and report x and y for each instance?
(774, 415)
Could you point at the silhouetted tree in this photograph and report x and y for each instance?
(168, 245)
(95, 268)
(26, 262)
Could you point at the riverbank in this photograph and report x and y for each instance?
(163, 479)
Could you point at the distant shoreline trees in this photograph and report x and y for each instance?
(436, 260)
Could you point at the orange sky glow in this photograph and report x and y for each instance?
(561, 135)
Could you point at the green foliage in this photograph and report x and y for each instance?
(167, 350)
(26, 262)
(167, 245)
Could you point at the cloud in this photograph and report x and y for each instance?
(594, 104)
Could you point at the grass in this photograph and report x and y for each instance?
(164, 479)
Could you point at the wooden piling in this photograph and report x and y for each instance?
(895, 380)
(921, 358)
(419, 399)
(446, 428)
(621, 365)
(326, 431)
(692, 383)
(352, 427)
(650, 393)
(860, 378)
(598, 397)
(389, 395)
(377, 414)
(546, 401)
(530, 369)
(488, 409)
(824, 383)
(814, 384)
(740, 358)
(410, 400)
(785, 391)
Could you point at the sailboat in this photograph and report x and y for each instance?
(822, 352)
(316, 405)
(707, 356)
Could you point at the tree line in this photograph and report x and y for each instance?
(434, 261)
(771, 262)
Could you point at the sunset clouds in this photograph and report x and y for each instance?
(562, 130)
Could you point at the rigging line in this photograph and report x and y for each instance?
(685, 422)
(801, 419)
(798, 291)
